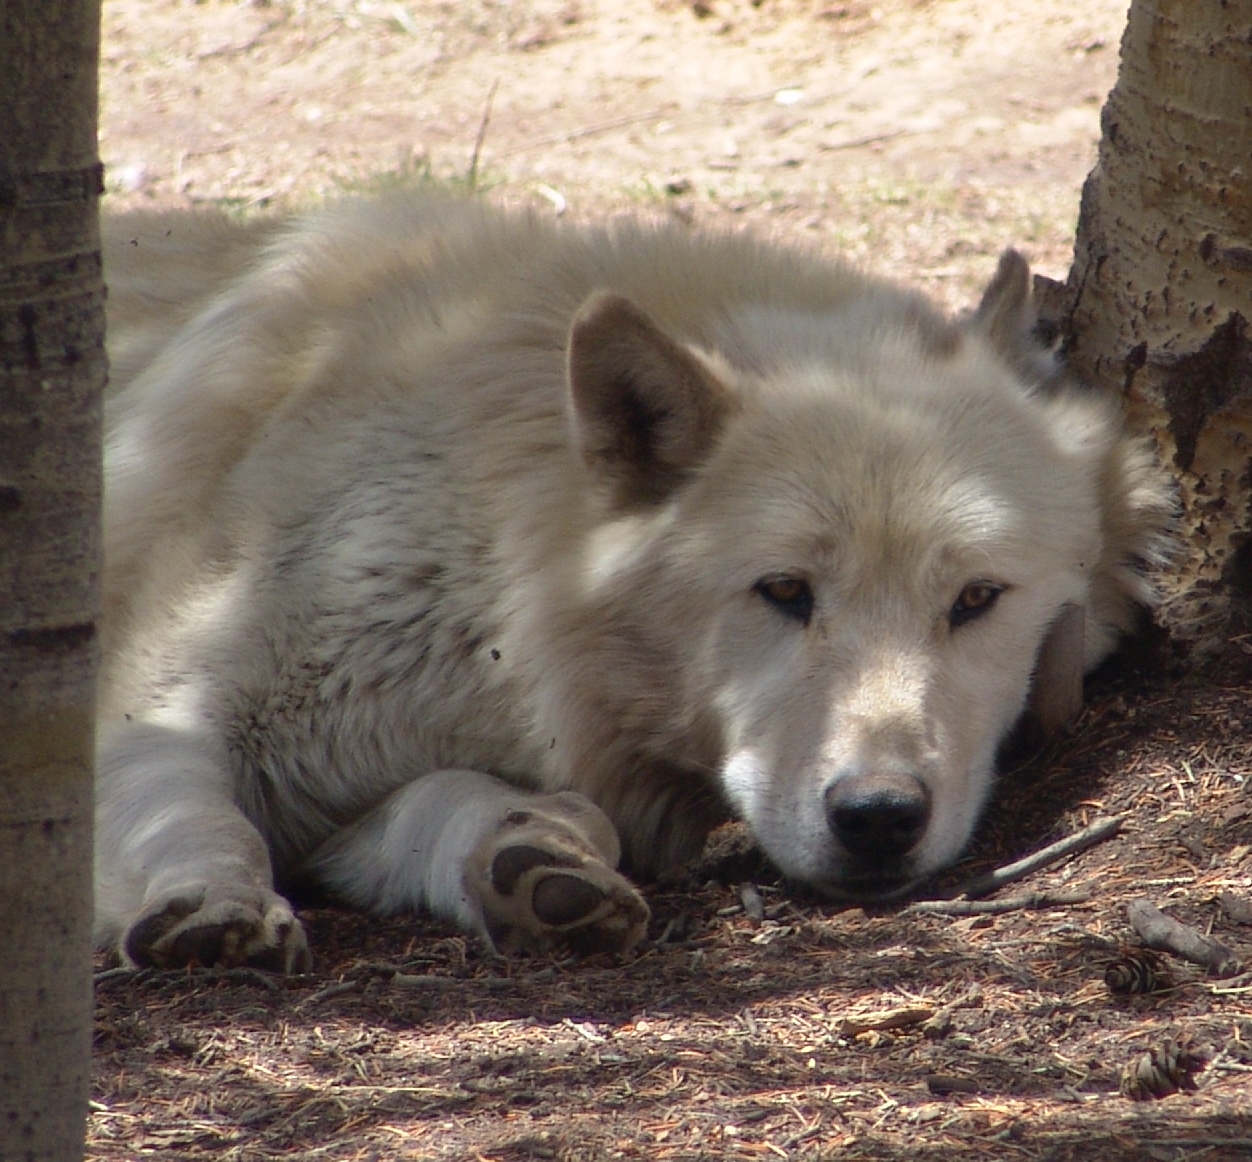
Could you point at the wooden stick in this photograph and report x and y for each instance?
(1089, 836)
(1008, 904)
(1165, 934)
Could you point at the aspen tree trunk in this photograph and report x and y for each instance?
(1160, 294)
(52, 372)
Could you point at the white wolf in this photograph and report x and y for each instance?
(453, 554)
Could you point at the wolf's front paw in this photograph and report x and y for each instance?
(541, 882)
(218, 924)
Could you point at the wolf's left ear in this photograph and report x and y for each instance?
(646, 411)
(1006, 316)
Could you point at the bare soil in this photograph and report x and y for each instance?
(920, 136)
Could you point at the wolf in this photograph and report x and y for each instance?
(464, 560)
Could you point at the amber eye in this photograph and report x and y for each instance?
(789, 595)
(973, 601)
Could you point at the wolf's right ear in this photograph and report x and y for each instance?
(1006, 316)
(645, 410)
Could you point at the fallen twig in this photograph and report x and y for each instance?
(1008, 904)
(107, 975)
(1231, 1067)
(410, 980)
(1233, 986)
(858, 142)
(331, 990)
(1089, 836)
(246, 974)
(753, 905)
(588, 130)
(1204, 1143)
(433, 981)
(1165, 934)
(886, 1019)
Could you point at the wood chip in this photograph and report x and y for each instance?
(753, 905)
(1236, 908)
(886, 1019)
(943, 1084)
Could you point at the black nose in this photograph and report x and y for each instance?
(878, 818)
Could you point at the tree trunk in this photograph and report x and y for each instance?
(1160, 293)
(52, 372)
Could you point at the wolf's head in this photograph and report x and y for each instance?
(860, 539)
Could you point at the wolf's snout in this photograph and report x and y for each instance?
(878, 818)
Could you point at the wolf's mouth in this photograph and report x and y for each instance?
(870, 889)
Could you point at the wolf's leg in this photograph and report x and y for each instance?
(522, 870)
(181, 875)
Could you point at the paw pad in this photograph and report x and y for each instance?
(559, 900)
(219, 924)
(548, 886)
(513, 862)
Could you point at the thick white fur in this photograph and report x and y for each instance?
(384, 573)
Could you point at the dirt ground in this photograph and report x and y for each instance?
(920, 136)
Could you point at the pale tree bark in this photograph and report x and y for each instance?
(1158, 302)
(51, 380)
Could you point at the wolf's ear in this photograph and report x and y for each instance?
(1056, 694)
(1004, 313)
(1006, 316)
(646, 411)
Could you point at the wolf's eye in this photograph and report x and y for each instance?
(973, 601)
(790, 595)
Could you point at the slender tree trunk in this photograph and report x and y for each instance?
(51, 380)
(1160, 294)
